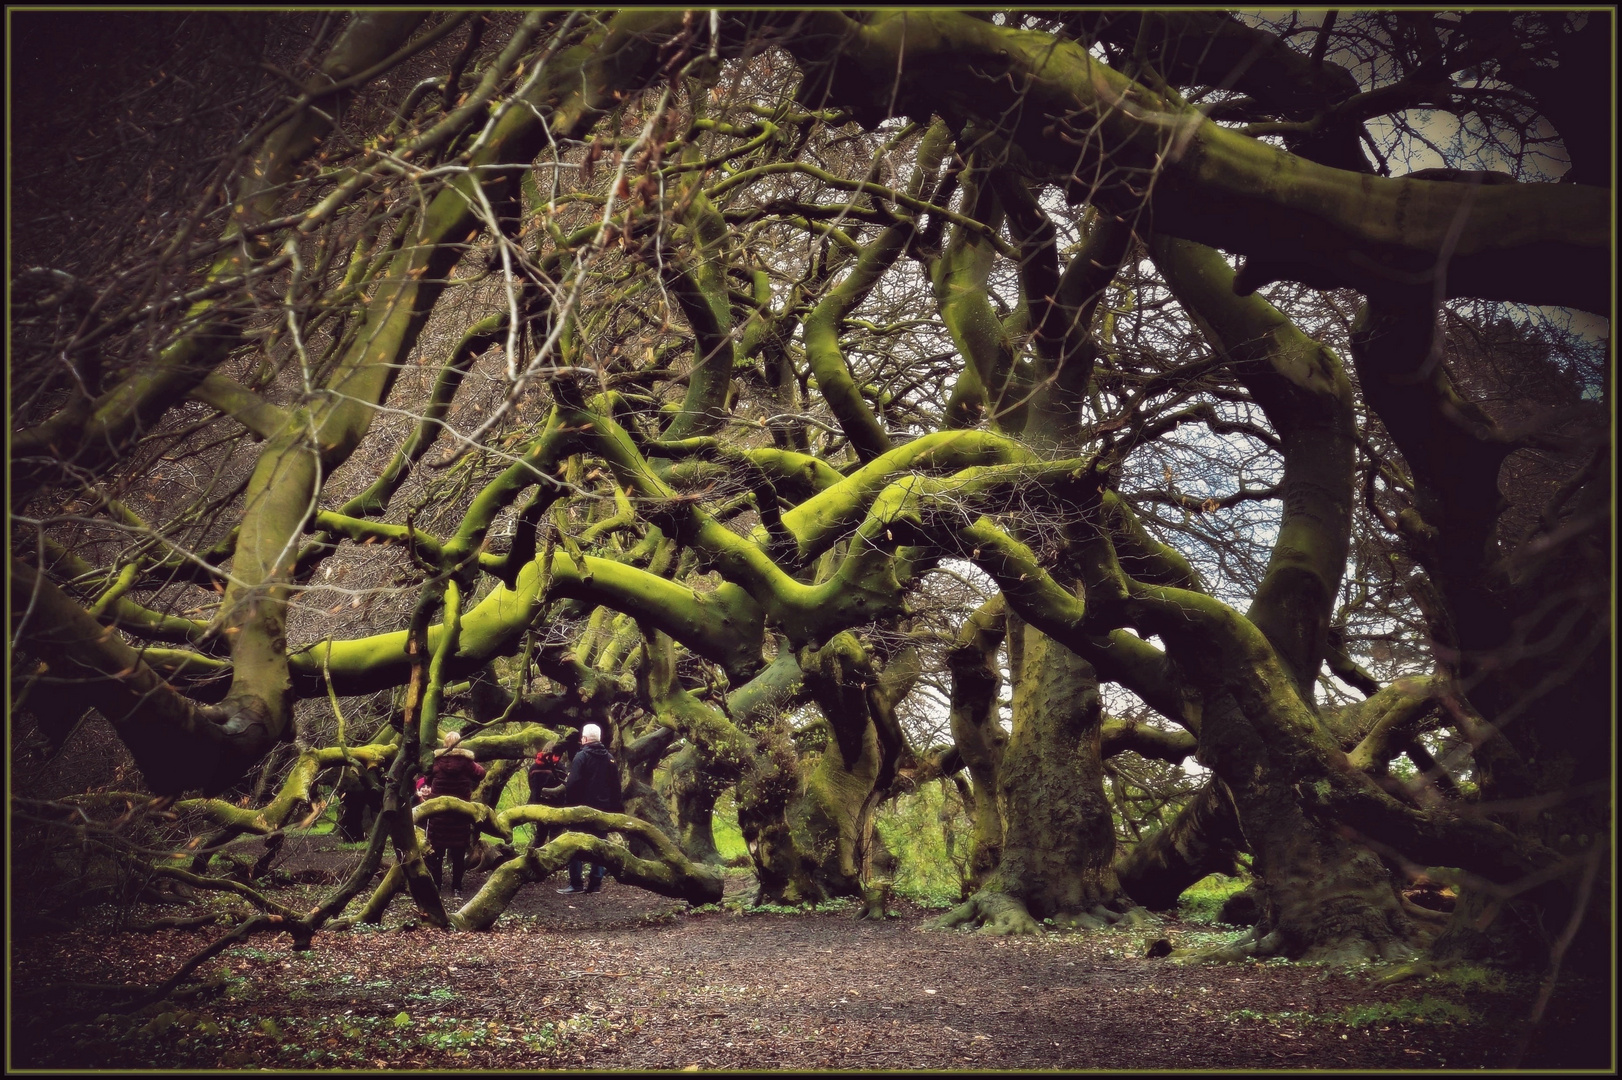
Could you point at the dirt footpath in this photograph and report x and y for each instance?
(627, 980)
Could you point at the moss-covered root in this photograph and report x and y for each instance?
(875, 900)
(1253, 944)
(1122, 915)
(392, 885)
(399, 879)
(995, 913)
(1003, 914)
(1203, 838)
(678, 878)
(668, 872)
(483, 818)
(1260, 943)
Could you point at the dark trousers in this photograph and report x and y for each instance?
(575, 867)
(543, 833)
(436, 865)
(579, 861)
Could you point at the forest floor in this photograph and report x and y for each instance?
(627, 980)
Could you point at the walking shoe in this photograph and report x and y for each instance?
(595, 886)
(570, 889)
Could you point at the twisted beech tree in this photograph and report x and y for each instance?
(733, 379)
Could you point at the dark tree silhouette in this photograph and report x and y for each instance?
(734, 380)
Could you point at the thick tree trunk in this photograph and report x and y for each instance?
(1325, 897)
(804, 817)
(1059, 840)
(638, 760)
(764, 797)
(831, 820)
(1058, 845)
(691, 792)
(977, 732)
(806, 832)
(810, 840)
(1523, 630)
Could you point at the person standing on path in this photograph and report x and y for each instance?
(547, 776)
(594, 781)
(456, 774)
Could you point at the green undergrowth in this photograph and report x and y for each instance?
(516, 793)
(196, 1037)
(1471, 977)
(1202, 901)
(724, 828)
(837, 904)
(1204, 937)
(741, 906)
(928, 836)
(1423, 1010)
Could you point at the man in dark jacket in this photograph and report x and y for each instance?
(594, 781)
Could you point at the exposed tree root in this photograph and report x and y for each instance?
(993, 913)
(875, 899)
(1003, 914)
(1260, 942)
(668, 873)
(679, 878)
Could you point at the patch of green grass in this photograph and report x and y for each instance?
(767, 909)
(1252, 1016)
(250, 953)
(1202, 901)
(1425, 1010)
(1214, 936)
(516, 793)
(724, 828)
(743, 907)
(343, 1041)
(914, 827)
(1472, 977)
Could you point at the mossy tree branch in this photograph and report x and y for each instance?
(1301, 387)
(1085, 124)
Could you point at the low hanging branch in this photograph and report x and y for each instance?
(295, 791)
(670, 874)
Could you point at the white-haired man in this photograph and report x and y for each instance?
(594, 781)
